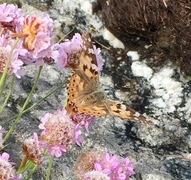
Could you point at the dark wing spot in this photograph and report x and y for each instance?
(127, 109)
(118, 106)
(98, 114)
(117, 111)
(95, 72)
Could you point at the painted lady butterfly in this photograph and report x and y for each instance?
(84, 93)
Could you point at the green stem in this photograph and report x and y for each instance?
(24, 106)
(28, 165)
(4, 75)
(66, 35)
(49, 168)
(38, 102)
(3, 87)
(32, 172)
(8, 95)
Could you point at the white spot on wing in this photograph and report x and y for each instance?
(90, 51)
(123, 107)
(94, 67)
(137, 114)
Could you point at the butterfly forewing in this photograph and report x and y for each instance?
(88, 67)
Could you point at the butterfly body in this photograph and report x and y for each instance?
(84, 93)
(93, 98)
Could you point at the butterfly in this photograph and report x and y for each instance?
(84, 93)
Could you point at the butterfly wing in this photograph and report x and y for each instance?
(77, 91)
(115, 109)
(87, 67)
(124, 112)
(85, 77)
(93, 110)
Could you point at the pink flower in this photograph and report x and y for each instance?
(4, 156)
(33, 150)
(37, 33)
(67, 51)
(59, 132)
(7, 171)
(56, 150)
(79, 139)
(128, 166)
(59, 55)
(73, 46)
(108, 163)
(11, 17)
(95, 175)
(83, 120)
(5, 15)
(44, 119)
(100, 63)
(15, 64)
(117, 174)
(41, 42)
(85, 162)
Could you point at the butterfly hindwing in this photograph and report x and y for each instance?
(124, 112)
(94, 110)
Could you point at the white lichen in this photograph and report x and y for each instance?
(141, 69)
(167, 91)
(113, 41)
(133, 55)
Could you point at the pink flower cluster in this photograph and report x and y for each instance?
(33, 150)
(36, 44)
(59, 132)
(114, 167)
(67, 53)
(28, 40)
(37, 32)
(93, 164)
(11, 17)
(83, 120)
(7, 170)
